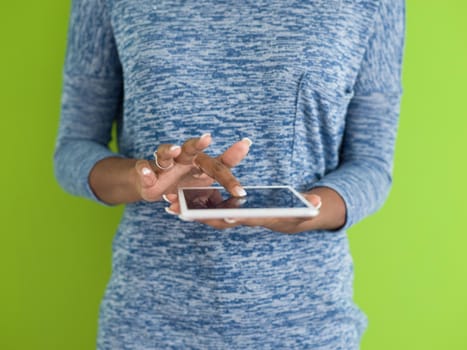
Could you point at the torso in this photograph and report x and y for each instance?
(280, 73)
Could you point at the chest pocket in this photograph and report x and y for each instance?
(322, 103)
(320, 113)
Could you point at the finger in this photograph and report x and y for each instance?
(170, 197)
(221, 173)
(232, 202)
(192, 147)
(314, 199)
(165, 154)
(283, 225)
(201, 176)
(254, 221)
(235, 153)
(146, 176)
(219, 224)
(170, 211)
(270, 222)
(215, 198)
(173, 208)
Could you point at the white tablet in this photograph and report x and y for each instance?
(260, 201)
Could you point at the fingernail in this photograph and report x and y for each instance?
(319, 205)
(229, 221)
(146, 171)
(239, 191)
(174, 147)
(320, 202)
(247, 141)
(169, 211)
(184, 218)
(241, 201)
(205, 135)
(164, 197)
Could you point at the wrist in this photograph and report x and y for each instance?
(132, 178)
(114, 180)
(333, 211)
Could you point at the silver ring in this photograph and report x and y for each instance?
(156, 163)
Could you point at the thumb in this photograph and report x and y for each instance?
(146, 176)
(314, 199)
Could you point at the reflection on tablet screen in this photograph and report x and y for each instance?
(256, 198)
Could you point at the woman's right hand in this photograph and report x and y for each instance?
(188, 166)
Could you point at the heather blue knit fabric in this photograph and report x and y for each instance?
(315, 84)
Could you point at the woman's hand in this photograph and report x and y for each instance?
(116, 180)
(331, 217)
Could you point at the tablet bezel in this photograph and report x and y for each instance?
(308, 211)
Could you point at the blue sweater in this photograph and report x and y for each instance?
(315, 84)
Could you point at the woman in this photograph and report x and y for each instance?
(315, 84)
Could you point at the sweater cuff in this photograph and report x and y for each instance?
(352, 212)
(85, 170)
(73, 174)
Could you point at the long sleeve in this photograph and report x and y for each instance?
(364, 176)
(91, 97)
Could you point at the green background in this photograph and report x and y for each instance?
(410, 264)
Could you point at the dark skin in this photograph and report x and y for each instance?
(117, 180)
(331, 216)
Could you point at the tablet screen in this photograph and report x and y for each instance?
(219, 198)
